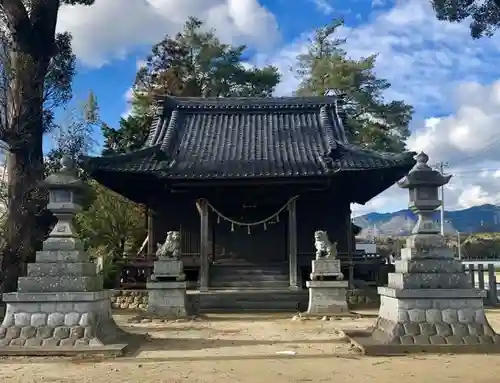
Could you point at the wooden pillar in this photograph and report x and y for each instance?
(204, 244)
(292, 245)
(350, 249)
(151, 240)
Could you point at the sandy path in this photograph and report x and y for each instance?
(238, 348)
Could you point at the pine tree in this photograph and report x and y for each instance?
(372, 122)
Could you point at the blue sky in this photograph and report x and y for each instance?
(450, 79)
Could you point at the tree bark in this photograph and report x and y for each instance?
(26, 224)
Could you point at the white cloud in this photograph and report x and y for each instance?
(112, 29)
(435, 66)
(439, 69)
(324, 6)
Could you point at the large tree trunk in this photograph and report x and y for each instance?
(24, 227)
(26, 201)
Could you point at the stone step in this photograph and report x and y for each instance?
(84, 269)
(59, 284)
(249, 284)
(248, 271)
(284, 301)
(249, 278)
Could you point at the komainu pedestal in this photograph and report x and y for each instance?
(60, 307)
(167, 288)
(429, 304)
(327, 289)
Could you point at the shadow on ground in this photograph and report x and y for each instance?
(139, 341)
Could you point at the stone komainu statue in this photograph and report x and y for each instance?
(172, 246)
(324, 248)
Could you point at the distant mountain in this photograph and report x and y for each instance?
(484, 218)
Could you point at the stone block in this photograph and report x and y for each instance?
(428, 281)
(59, 284)
(55, 319)
(72, 319)
(326, 268)
(86, 269)
(77, 332)
(45, 332)
(459, 329)
(28, 332)
(22, 319)
(61, 332)
(17, 342)
(416, 315)
(450, 316)
(426, 251)
(68, 342)
(33, 342)
(433, 316)
(51, 342)
(38, 319)
(167, 299)
(66, 256)
(64, 244)
(425, 246)
(169, 268)
(427, 266)
(466, 315)
(327, 297)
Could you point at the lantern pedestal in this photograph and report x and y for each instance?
(327, 289)
(60, 307)
(429, 305)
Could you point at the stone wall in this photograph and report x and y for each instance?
(138, 299)
(363, 298)
(129, 299)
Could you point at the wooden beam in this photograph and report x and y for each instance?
(204, 244)
(292, 245)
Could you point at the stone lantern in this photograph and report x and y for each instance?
(64, 189)
(429, 304)
(422, 183)
(60, 307)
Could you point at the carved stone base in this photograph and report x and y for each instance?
(168, 268)
(326, 267)
(431, 320)
(327, 297)
(59, 324)
(167, 299)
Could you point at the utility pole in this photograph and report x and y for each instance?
(459, 246)
(441, 166)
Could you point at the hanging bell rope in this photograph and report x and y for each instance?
(250, 224)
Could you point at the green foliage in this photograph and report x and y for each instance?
(111, 225)
(484, 15)
(74, 135)
(371, 121)
(130, 136)
(194, 63)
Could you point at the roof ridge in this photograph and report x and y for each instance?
(251, 102)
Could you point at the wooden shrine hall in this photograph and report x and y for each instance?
(247, 182)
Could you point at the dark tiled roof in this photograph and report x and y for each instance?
(249, 137)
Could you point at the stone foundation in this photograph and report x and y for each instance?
(327, 297)
(58, 320)
(433, 321)
(167, 299)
